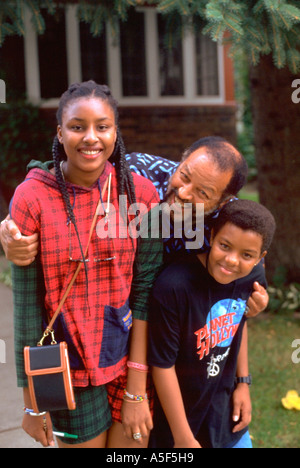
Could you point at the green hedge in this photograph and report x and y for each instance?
(24, 136)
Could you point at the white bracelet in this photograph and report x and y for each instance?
(135, 398)
(32, 413)
(4, 221)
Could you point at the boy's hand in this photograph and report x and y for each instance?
(242, 408)
(259, 300)
(18, 249)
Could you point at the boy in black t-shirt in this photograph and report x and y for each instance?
(198, 334)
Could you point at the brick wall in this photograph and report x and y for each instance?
(168, 131)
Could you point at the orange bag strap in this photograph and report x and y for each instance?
(49, 329)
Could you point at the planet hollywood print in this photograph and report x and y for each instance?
(221, 326)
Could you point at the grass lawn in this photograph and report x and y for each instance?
(274, 374)
(249, 192)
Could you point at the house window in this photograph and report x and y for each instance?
(207, 66)
(93, 55)
(52, 56)
(170, 64)
(139, 68)
(133, 55)
(12, 66)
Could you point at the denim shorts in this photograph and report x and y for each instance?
(244, 442)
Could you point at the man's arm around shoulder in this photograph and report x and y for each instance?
(19, 249)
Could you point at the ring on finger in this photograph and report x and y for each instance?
(137, 436)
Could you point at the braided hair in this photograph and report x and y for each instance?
(90, 89)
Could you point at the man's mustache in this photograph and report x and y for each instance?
(175, 191)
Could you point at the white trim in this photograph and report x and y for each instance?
(31, 58)
(114, 63)
(147, 102)
(189, 66)
(221, 65)
(171, 101)
(49, 103)
(73, 45)
(152, 58)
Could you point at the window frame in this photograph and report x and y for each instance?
(154, 98)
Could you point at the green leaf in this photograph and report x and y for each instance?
(50, 5)
(85, 12)
(216, 31)
(292, 12)
(99, 18)
(17, 19)
(271, 5)
(173, 30)
(6, 30)
(259, 8)
(166, 6)
(214, 12)
(293, 59)
(277, 40)
(233, 24)
(37, 18)
(121, 8)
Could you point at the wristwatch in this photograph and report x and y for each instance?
(247, 380)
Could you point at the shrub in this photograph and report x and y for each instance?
(24, 136)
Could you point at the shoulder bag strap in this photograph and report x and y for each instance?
(49, 329)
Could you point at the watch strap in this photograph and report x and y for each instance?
(247, 380)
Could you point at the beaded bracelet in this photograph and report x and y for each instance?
(32, 413)
(135, 398)
(137, 366)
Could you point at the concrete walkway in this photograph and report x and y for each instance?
(11, 397)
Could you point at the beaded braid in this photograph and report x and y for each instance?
(125, 180)
(59, 156)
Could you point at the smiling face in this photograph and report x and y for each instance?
(198, 179)
(88, 133)
(234, 253)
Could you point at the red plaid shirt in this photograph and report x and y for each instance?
(96, 326)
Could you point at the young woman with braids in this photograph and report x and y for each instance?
(58, 201)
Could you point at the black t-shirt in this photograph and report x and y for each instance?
(196, 324)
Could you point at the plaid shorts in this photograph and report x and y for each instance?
(96, 409)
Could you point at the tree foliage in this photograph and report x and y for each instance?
(260, 27)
